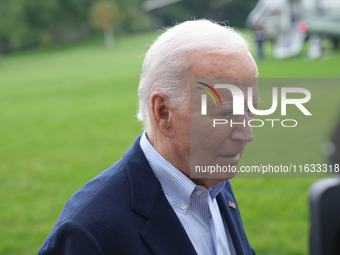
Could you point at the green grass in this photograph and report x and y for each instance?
(68, 113)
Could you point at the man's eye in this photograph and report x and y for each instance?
(225, 114)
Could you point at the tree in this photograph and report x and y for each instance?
(103, 14)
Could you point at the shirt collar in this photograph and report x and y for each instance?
(174, 183)
(214, 191)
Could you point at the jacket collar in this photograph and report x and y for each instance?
(163, 231)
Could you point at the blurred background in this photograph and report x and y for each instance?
(69, 72)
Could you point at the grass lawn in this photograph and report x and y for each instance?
(67, 113)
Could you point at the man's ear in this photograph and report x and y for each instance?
(160, 112)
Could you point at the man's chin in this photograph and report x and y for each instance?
(220, 177)
(212, 181)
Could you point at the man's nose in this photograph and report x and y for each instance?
(241, 129)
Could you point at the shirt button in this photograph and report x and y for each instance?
(198, 193)
(183, 206)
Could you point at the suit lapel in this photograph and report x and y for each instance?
(233, 220)
(163, 231)
(171, 237)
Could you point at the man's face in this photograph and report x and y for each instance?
(202, 144)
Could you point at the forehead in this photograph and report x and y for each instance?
(222, 65)
(224, 89)
(238, 68)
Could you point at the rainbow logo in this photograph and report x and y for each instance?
(208, 86)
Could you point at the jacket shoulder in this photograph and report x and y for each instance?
(96, 195)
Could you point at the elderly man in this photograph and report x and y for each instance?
(147, 203)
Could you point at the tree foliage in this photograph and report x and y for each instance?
(33, 23)
(103, 14)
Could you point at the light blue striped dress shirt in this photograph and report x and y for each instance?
(195, 206)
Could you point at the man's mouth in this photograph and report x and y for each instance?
(234, 158)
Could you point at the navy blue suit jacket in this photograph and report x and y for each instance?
(124, 211)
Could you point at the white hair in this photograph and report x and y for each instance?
(167, 62)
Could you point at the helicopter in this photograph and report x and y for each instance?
(288, 23)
